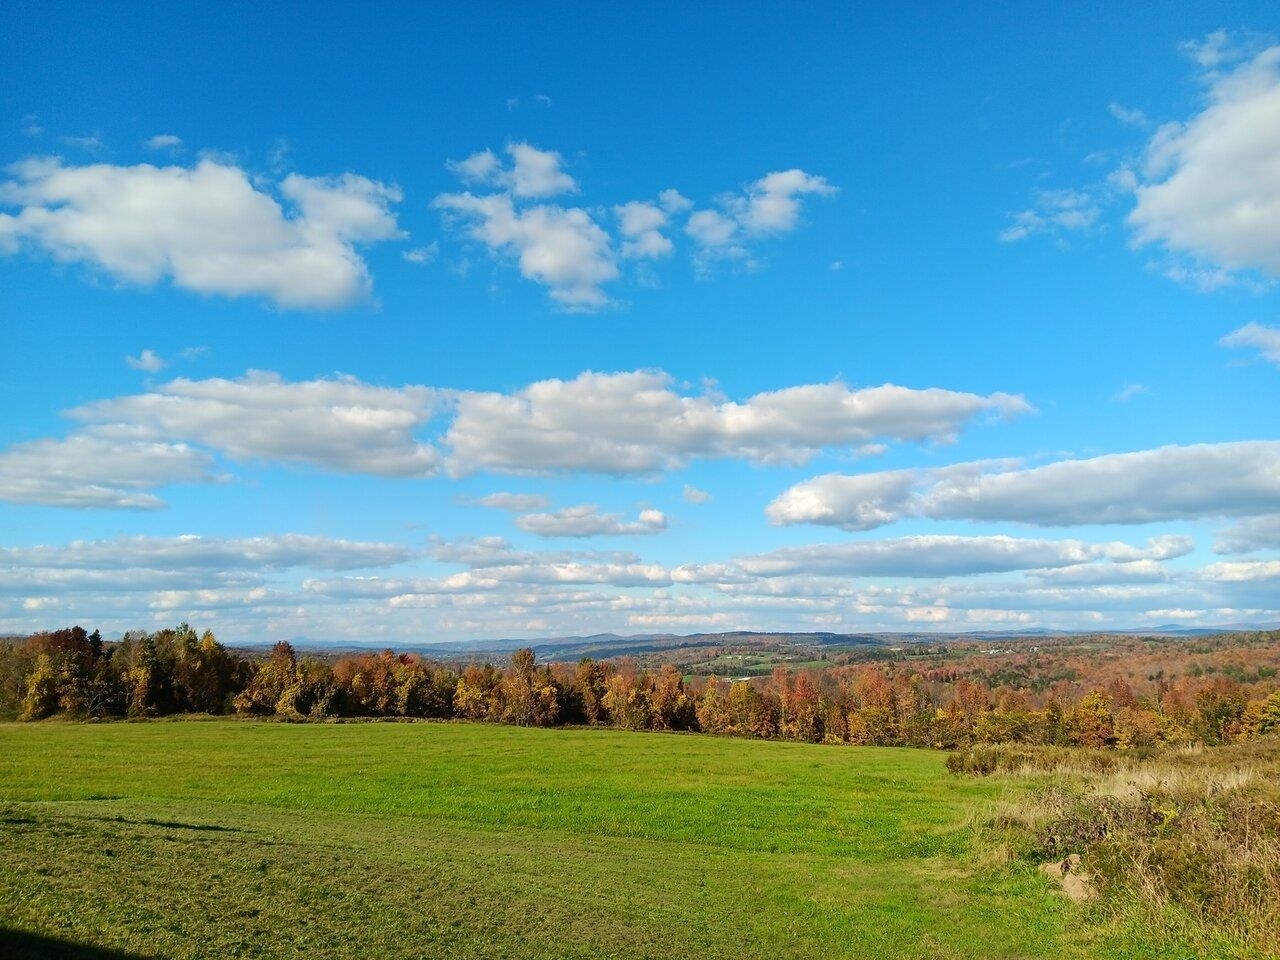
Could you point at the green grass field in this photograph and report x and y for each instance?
(250, 839)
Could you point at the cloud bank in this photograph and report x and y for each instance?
(1168, 483)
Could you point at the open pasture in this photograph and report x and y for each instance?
(251, 839)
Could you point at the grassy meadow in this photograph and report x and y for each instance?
(227, 838)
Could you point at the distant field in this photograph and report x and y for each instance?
(752, 664)
(248, 839)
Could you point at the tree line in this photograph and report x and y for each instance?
(77, 674)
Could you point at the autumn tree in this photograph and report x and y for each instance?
(713, 714)
(1090, 723)
(274, 675)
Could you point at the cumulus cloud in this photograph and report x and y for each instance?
(1168, 483)
(532, 173)
(1129, 115)
(695, 496)
(1255, 533)
(1211, 184)
(340, 423)
(618, 423)
(148, 361)
(711, 229)
(191, 552)
(422, 254)
(586, 520)
(133, 444)
(88, 471)
(940, 556)
(493, 560)
(1242, 571)
(1266, 340)
(636, 422)
(572, 253)
(1055, 211)
(164, 141)
(516, 502)
(208, 228)
(90, 144)
(1213, 49)
(261, 588)
(769, 206)
(188, 573)
(641, 225)
(563, 249)
(772, 203)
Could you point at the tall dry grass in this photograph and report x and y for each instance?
(1195, 828)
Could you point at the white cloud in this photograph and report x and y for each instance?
(1254, 533)
(586, 520)
(533, 173)
(481, 167)
(1211, 189)
(279, 552)
(772, 203)
(260, 589)
(1129, 115)
(538, 173)
(637, 423)
(422, 254)
(768, 207)
(711, 229)
(1129, 391)
(936, 556)
(1266, 340)
(208, 228)
(695, 496)
(1055, 211)
(1100, 574)
(563, 249)
(164, 141)
(492, 560)
(67, 583)
(340, 423)
(1168, 483)
(1212, 50)
(570, 572)
(568, 250)
(673, 202)
(1242, 571)
(90, 144)
(1200, 278)
(516, 502)
(622, 423)
(87, 471)
(148, 360)
(641, 225)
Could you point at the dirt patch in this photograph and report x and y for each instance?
(1076, 885)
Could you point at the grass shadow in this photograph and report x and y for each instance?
(21, 945)
(177, 825)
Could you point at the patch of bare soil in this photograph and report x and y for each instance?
(1076, 885)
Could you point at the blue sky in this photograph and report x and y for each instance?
(443, 324)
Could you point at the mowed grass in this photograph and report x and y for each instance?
(253, 839)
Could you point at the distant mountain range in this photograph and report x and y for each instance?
(606, 645)
(602, 645)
